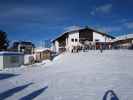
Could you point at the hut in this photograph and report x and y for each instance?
(43, 54)
(11, 59)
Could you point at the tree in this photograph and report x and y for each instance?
(4, 43)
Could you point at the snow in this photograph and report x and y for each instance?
(41, 49)
(10, 53)
(77, 76)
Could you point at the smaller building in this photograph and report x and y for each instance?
(123, 42)
(42, 54)
(23, 46)
(11, 59)
(29, 59)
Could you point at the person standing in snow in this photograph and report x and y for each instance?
(101, 48)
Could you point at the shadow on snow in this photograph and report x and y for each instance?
(112, 95)
(6, 75)
(12, 91)
(34, 94)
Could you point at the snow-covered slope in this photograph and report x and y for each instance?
(78, 76)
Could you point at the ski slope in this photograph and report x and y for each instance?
(77, 76)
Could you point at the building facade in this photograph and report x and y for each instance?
(80, 38)
(23, 46)
(123, 42)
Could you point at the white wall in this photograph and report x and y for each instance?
(71, 36)
(1, 62)
(28, 59)
(97, 36)
(69, 43)
(57, 46)
(108, 39)
(53, 47)
(100, 37)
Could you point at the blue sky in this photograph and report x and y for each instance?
(36, 20)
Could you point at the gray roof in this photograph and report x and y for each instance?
(77, 30)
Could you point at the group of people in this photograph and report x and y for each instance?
(85, 48)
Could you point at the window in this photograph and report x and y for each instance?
(72, 40)
(76, 40)
(97, 40)
(14, 59)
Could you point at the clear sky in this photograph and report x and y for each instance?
(38, 20)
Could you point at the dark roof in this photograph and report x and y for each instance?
(23, 43)
(77, 30)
